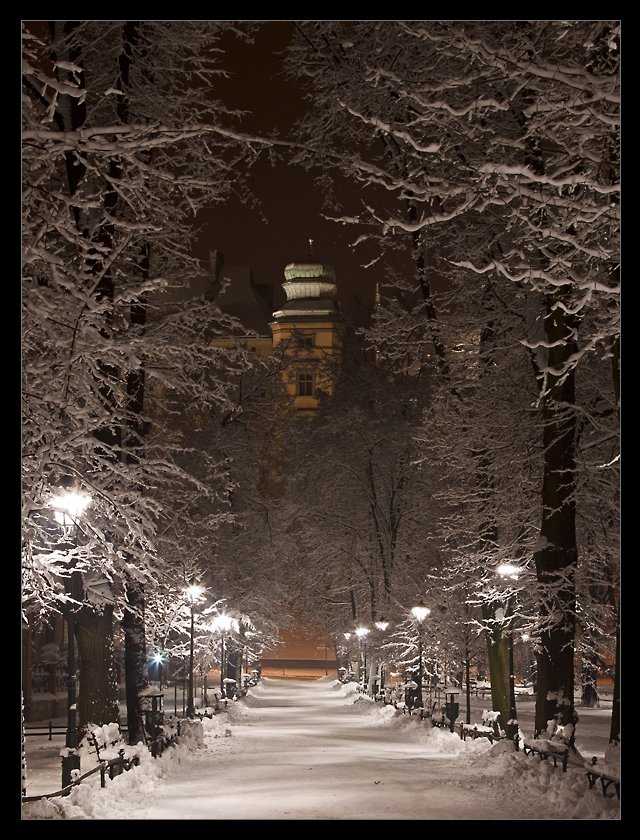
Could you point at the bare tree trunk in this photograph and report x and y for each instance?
(98, 694)
(557, 557)
(498, 652)
(614, 736)
(135, 660)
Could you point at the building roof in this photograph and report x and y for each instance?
(236, 293)
(311, 290)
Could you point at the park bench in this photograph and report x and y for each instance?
(490, 728)
(561, 753)
(473, 731)
(594, 774)
(426, 712)
(555, 751)
(105, 740)
(101, 741)
(552, 745)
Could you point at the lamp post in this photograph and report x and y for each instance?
(67, 510)
(347, 637)
(361, 633)
(158, 659)
(193, 593)
(222, 622)
(420, 612)
(381, 625)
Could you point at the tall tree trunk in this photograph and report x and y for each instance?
(614, 736)
(135, 659)
(98, 694)
(557, 556)
(589, 671)
(498, 653)
(135, 654)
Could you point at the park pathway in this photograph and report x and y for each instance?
(301, 750)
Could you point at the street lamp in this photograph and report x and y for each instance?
(347, 637)
(381, 625)
(361, 633)
(159, 660)
(223, 623)
(67, 509)
(420, 612)
(193, 593)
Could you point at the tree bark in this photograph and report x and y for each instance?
(98, 693)
(135, 660)
(498, 653)
(589, 661)
(557, 556)
(614, 736)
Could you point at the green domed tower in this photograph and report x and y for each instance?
(306, 329)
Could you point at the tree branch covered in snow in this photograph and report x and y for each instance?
(489, 150)
(122, 144)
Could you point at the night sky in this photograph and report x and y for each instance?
(290, 202)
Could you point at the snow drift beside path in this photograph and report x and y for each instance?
(300, 750)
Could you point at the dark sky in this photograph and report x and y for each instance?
(290, 202)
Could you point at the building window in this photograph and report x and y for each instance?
(305, 384)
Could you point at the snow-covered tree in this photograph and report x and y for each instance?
(123, 142)
(490, 149)
(359, 499)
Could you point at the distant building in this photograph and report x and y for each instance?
(304, 332)
(306, 329)
(236, 293)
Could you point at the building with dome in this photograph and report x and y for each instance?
(304, 332)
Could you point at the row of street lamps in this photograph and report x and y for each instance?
(509, 571)
(420, 612)
(221, 623)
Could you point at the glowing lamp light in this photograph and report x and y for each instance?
(193, 592)
(421, 612)
(223, 622)
(68, 507)
(509, 570)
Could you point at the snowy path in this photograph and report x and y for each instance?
(317, 751)
(299, 753)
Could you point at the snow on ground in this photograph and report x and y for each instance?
(298, 749)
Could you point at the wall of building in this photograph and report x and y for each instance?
(300, 657)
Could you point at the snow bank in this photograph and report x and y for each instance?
(565, 795)
(89, 801)
(561, 795)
